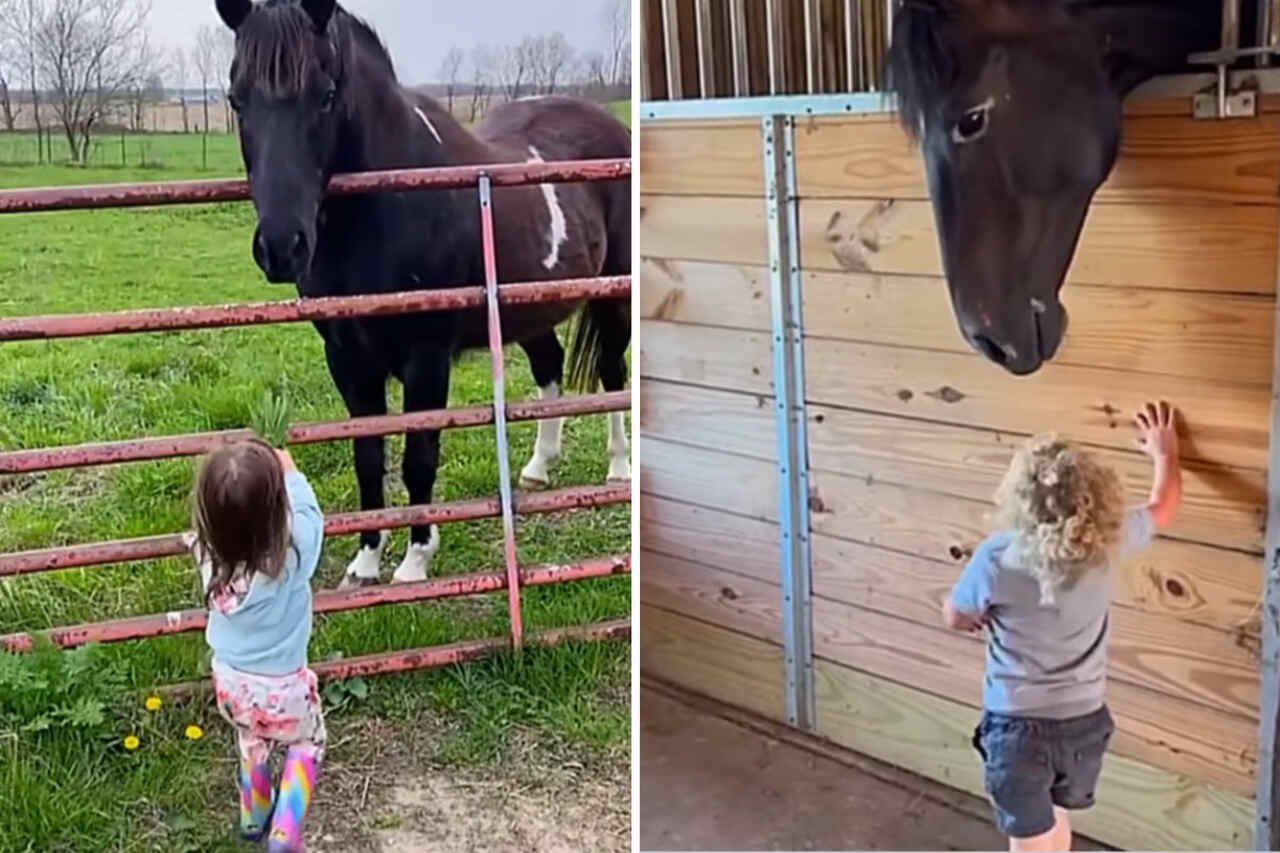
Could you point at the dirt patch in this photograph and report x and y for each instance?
(378, 794)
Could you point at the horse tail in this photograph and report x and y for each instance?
(586, 349)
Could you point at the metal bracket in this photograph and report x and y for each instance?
(785, 289)
(1223, 102)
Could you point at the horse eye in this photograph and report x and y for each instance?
(329, 97)
(970, 125)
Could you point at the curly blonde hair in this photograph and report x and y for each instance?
(1064, 508)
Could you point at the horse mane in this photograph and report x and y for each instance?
(274, 45)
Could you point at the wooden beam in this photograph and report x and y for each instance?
(727, 154)
(709, 479)
(1163, 159)
(1221, 506)
(1185, 247)
(1138, 806)
(747, 546)
(732, 295)
(1225, 424)
(711, 661)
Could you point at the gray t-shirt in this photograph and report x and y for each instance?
(1050, 660)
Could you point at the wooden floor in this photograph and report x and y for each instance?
(711, 783)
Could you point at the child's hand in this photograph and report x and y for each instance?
(286, 461)
(1158, 435)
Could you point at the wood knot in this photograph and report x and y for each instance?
(816, 503)
(960, 553)
(905, 395)
(729, 594)
(819, 418)
(1174, 588)
(946, 394)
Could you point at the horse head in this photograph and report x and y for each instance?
(1016, 105)
(287, 90)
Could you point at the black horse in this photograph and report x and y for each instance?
(1017, 106)
(316, 94)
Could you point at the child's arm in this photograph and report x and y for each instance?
(965, 607)
(308, 520)
(1157, 425)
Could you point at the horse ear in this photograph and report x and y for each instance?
(1137, 47)
(320, 11)
(234, 12)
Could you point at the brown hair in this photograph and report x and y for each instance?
(1065, 508)
(241, 513)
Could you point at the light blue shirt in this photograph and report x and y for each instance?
(267, 631)
(1044, 660)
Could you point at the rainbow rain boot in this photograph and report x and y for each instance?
(296, 784)
(256, 801)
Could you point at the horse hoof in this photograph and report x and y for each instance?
(618, 481)
(356, 582)
(533, 485)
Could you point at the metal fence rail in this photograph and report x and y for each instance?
(491, 296)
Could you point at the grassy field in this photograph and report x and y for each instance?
(71, 786)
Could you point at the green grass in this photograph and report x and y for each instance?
(78, 791)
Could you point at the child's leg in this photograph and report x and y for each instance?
(1063, 828)
(297, 783)
(1056, 839)
(255, 785)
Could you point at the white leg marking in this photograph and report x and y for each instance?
(366, 562)
(559, 227)
(547, 449)
(619, 451)
(417, 560)
(431, 127)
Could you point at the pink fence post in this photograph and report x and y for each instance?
(500, 409)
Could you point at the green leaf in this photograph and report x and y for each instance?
(358, 688)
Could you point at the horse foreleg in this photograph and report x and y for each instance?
(365, 393)
(615, 336)
(426, 386)
(546, 361)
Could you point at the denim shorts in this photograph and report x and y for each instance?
(1033, 764)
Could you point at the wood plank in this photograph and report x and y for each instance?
(724, 481)
(746, 546)
(1224, 424)
(1181, 333)
(1163, 159)
(704, 228)
(719, 358)
(709, 417)
(703, 158)
(1194, 583)
(712, 595)
(709, 294)
(1220, 506)
(1185, 246)
(1164, 731)
(724, 665)
(1139, 807)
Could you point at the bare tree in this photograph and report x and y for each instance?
(142, 88)
(554, 57)
(204, 61)
(616, 18)
(87, 50)
(224, 53)
(180, 69)
(484, 66)
(10, 61)
(450, 70)
(19, 30)
(515, 65)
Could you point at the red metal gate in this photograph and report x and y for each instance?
(505, 505)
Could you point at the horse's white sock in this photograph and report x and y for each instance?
(547, 448)
(367, 560)
(619, 451)
(417, 560)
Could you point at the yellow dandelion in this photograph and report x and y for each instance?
(194, 733)
(131, 742)
(153, 703)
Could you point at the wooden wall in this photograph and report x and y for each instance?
(1171, 294)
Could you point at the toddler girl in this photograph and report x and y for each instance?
(1042, 587)
(258, 534)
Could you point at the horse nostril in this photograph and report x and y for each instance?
(990, 349)
(298, 245)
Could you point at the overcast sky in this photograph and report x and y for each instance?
(419, 32)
